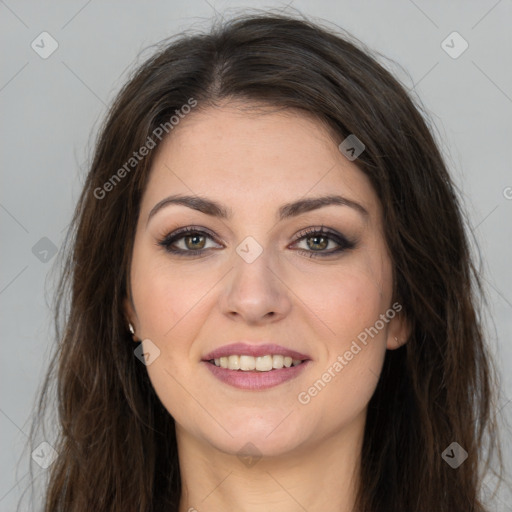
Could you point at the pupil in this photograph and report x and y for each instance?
(318, 238)
(194, 237)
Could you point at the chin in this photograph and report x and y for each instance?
(269, 436)
(253, 446)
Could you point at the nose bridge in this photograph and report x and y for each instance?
(254, 291)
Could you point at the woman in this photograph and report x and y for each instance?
(268, 217)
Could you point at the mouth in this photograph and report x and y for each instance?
(265, 363)
(255, 367)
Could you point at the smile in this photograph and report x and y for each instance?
(264, 363)
(254, 379)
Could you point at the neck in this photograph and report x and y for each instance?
(318, 477)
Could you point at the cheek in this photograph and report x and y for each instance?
(351, 298)
(162, 296)
(170, 308)
(351, 302)
(345, 381)
(169, 311)
(348, 391)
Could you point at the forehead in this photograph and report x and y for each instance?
(234, 151)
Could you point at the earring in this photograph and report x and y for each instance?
(396, 339)
(130, 327)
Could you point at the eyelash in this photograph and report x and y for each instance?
(344, 244)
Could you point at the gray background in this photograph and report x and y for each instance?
(51, 108)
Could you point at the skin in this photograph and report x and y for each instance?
(253, 163)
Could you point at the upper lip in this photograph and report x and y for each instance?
(255, 350)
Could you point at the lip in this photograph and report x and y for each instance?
(261, 349)
(255, 380)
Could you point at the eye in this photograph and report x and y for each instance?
(318, 239)
(187, 241)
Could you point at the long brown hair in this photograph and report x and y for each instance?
(116, 442)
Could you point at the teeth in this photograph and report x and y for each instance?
(277, 362)
(261, 363)
(264, 363)
(233, 362)
(247, 363)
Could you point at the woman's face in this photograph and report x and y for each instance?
(261, 275)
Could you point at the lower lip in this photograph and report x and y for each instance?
(254, 380)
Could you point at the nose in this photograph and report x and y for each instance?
(254, 292)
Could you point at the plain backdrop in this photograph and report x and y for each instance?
(51, 109)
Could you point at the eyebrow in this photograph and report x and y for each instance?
(288, 210)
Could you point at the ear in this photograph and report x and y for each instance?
(399, 331)
(130, 316)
